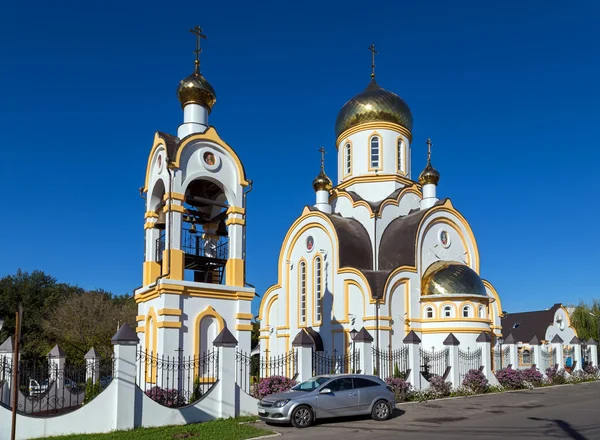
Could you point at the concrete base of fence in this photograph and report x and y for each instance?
(246, 404)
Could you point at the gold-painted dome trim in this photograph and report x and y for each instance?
(451, 278)
(195, 89)
(373, 126)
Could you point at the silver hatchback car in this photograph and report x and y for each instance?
(329, 396)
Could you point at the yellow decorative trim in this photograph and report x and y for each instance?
(375, 178)
(140, 318)
(374, 318)
(151, 271)
(379, 125)
(568, 319)
(381, 327)
(150, 343)
(402, 169)
(424, 308)
(236, 210)
(443, 305)
(208, 311)
(413, 189)
(235, 221)
(243, 327)
(174, 208)
(347, 284)
(282, 327)
(475, 330)
(379, 153)
(336, 194)
(244, 316)
(150, 214)
(169, 312)
(140, 329)
(269, 305)
(235, 272)
(176, 267)
(169, 324)
(174, 196)
(314, 293)
(148, 225)
(200, 292)
(446, 320)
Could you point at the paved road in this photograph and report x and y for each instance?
(571, 411)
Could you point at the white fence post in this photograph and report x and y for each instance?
(576, 343)
(363, 343)
(453, 343)
(304, 344)
(6, 365)
(484, 343)
(593, 346)
(413, 342)
(225, 342)
(92, 366)
(537, 352)
(557, 347)
(513, 352)
(125, 346)
(56, 363)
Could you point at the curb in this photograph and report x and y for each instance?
(276, 434)
(491, 394)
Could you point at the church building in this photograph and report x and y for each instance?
(378, 249)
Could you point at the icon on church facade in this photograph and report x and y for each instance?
(209, 158)
(444, 238)
(310, 243)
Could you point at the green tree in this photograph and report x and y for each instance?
(254, 336)
(583, 321)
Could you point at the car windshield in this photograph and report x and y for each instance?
(311, 384)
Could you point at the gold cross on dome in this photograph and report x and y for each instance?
(373, 53)
(197, 31)
(322, 150)
(428, 150)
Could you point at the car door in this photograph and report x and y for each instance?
(368, 390)
(341, 401)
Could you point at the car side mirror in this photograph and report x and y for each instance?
(325, 391)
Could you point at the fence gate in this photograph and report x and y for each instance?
(468, 360)
(547, 358)
(434, 363)
(501, 358)
(569, 356)
(392, 363)
(336, 363)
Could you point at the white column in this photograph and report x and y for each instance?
(56, 364)
(484, 342)
(413, 342)
(593, 346)
(513, 352)
(92, 365)
(429, 196)
(537, 352)
(577, 358)
(453, 343)
(557, 348)
(363, 343)
(6, 368)
(304, 361)
(225, 343)
(125, 343)
(323, 202)
(195, 120)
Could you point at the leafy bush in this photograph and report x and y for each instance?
(271, 385)
(91, 390)
(398, 373)
(591, 370)
(533, 376)
(556, 376)
(197, 394)
(166, 397)
(476, 382)
(440, 386)
(512, 379)
(399, 386)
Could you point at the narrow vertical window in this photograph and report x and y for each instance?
(466, 312)
(303, 293)
(447, 312)
(348, 159)
(318, 288)
(399, 154)
(481, 312)
(375, 152)
(429, 311)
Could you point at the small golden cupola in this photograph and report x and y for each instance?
(195, 89)
(429, 179)
(322, 185)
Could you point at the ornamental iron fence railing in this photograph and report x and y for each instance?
(468, 360)
(176, 381)
(285, 364)
(392, 363)
(434, 362)
(501, 358)
(335, 363)
(547, 358)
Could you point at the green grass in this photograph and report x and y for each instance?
(223, 429)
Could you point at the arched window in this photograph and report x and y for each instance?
(375, 152)
(429, 312)
(399, 154)
(482, 312)
(466, 312)
(448, 312)
(318, 288)
(348, 158)
(526, 356)
(303, 292)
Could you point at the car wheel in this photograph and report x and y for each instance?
(302, 417)
(381, 410)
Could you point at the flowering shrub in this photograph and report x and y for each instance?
(512, 379)
(399, 387)
(533, 376)
(592, 371)
(440, 386)
(556, 376)
(475, 382)
(166, 397)
(271, 385)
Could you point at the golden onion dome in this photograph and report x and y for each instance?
(371, 105)
(451, 278)
(322, 182)
(195, 89)
(429, 175)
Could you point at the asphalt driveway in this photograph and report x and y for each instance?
(569, 411)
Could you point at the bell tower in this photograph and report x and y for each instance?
(194, 281)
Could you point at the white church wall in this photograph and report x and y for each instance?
(561, 326)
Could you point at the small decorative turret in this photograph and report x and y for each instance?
(429, 179)
(196, 95)
(322, 185)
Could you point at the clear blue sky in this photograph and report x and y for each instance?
(507, 91)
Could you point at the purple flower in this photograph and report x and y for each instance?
(440, 386)
(271, 385)
(166, 397)
(476, 382)
(399, 387)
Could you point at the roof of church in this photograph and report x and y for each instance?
(525, 325)
(374, 205)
